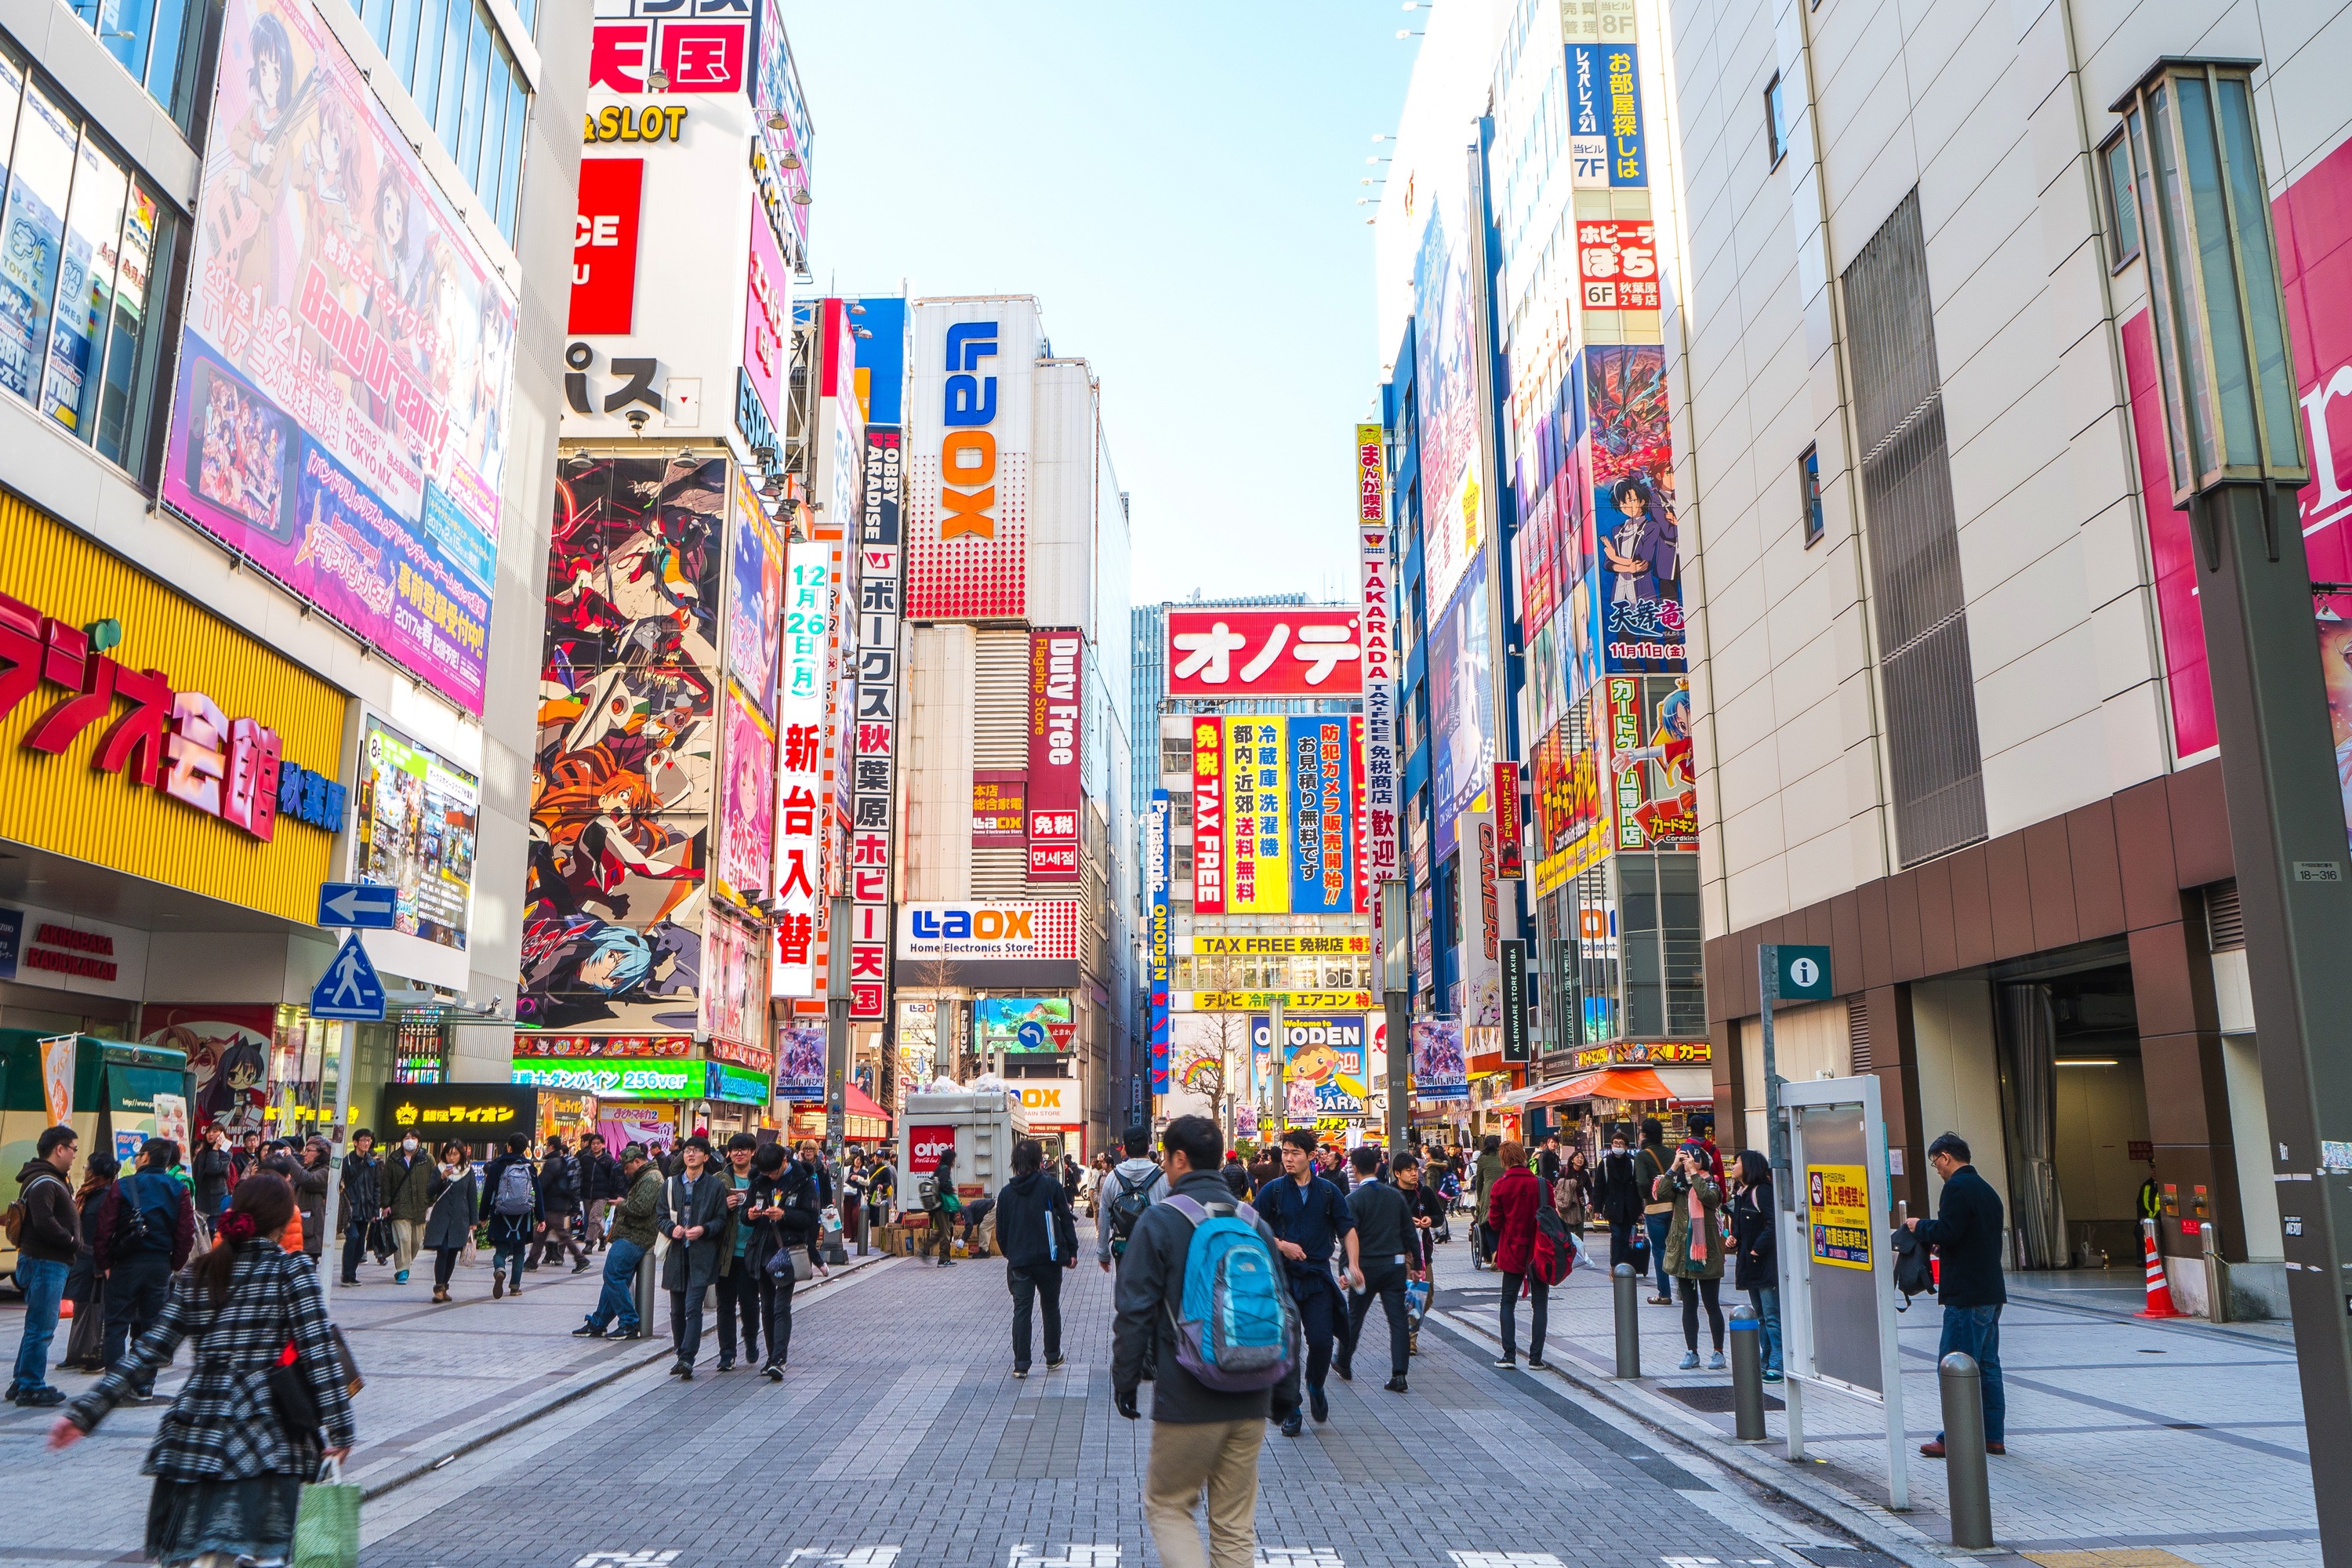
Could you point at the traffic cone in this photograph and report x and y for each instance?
(2159, 1290)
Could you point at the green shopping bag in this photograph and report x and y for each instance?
(327, 1523)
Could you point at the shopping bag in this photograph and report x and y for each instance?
(1416, 1300)
(1583, 1259)
(327, 1522)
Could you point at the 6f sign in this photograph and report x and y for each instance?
(1803, 973)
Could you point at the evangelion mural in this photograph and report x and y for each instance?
(621, 789)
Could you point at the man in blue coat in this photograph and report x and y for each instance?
(1966, 1234)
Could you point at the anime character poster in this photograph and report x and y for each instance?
(734, 980)
(229, 1050)
(1570, 830)
(1448, 394)
(1462, 704)
(747, 798)
(800, 1061)
(1654, 791)
(1440, 1070)
(755, 598)
(621, 783)
(1629, 431)
(346, 358)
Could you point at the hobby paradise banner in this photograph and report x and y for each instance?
(346, 359)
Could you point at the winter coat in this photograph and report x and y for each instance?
(1511, 1206)
(1490, 1171)
(1708, 1264)
(559, 1184)
(1032, 1213)
(224, 1425)
(450, 1220)
(210, 1167)
(360, 1195)
(1754, 1260)
(600, 1178)
(309, 1185)
(1649, 1164)
(1965, 1235)
(1622, 1197)
(1151, 1292)
(636, 1216)
(1142, 1173)
(1571, 1193)
(114, 1229)
(792, 1189)
(693, 1264)
(511, 1229)
(408, 1182)
(51, 1233)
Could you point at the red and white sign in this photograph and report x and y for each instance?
(1617, 259)
(1299, 650)
(705, 57)
(924, 1145)
(1376, 814)
(1055, 1102)
(1056, 683)
(1208, 816)
(604, 244)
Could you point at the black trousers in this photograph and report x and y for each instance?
(1692, 1292)
(686, 1322)
(741, 1298)
(354, 1246)
(1042, 1283)
(1541, 1296)
(1386, 1282)
(1621, 1244)
(1322, 1316)
(135, 1288)
(445, 1264)
(776, 1301)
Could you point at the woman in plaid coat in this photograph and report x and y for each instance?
(228, 1471)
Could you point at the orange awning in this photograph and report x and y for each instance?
(1608, 1083)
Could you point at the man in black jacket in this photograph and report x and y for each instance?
(1387, 1249)
(362, 1202)
(1200, 1436)
(146, 1229)
(1038, 1235)
(1965, 1235)
(601, 1185)
(44, 1255)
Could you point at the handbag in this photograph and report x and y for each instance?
(793, 1260)
(1416, 1302)
(327, 1522)
(290, 1386)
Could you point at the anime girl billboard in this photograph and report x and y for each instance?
(228, 1050)
(1629, 426)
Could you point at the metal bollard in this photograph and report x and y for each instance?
(1627, 1285)
(1746, 1375)
(645, 1277)
(2217, 1276)
(865, 1226)
(1964, 1450)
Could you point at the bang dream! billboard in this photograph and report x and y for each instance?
(346, 360)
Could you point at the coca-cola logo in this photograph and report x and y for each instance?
(926, 1144)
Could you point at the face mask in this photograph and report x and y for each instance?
(409, 1144)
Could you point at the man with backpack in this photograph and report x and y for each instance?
(511, 1203)
(1310, 1219)
(1216, 1378)
(146, 1228)
(48, 1236)
(1133, 1186)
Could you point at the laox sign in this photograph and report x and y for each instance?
(967, 452)
(963, 925)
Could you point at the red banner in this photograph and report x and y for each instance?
(604, 244)
(1299, 650)
(1509, 857)
(1056, 707)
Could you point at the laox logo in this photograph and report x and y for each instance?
(967, 453)
(988, 925)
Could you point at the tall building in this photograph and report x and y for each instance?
(278, 426)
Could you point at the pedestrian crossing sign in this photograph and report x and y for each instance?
(350, 989)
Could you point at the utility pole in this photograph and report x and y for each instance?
(1396, 1000)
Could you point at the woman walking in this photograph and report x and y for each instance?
(85, 1286)
(449, 1223)
(227, 1479)
(1756, 1267)
(695, 1217)
(310, 1181)
(1511, 1206)
(1695, 1250)
(1573, 1194)
(1657, 1210)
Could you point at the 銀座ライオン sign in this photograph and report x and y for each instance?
(167, 755)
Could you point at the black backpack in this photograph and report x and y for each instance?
(1913, 1276)
(1128, 1207)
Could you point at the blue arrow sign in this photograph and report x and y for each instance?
(349, 989)
(364, 904)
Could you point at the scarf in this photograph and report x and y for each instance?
(1697, 1228)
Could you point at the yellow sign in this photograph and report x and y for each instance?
(1250, 945)
(1257, 796)
(618, 123)
(1292, 1001)
(437, 1115)
(1837, 1214)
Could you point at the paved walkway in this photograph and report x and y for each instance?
(2177, 1437)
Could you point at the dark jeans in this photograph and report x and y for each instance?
(558, 1241)
(619, 1301)
(1657, 1226)
(1322, 1315)
(43, 1280)
(740, 1301)
(445, 1264)
(1975, 1332)
(1693, 1293)
(1620, 1242)
(776, 1300)
(1042, 1282)
(355, 1246)
(1387, 1282)
(686, 1322)
(135, 1288)
(508, 1255)
(1539, 1308)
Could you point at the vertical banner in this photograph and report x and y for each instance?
(799, 764)
(1515, 1001)
(1322, 838)
(1509, 857)
(1257, 790)
(1208, 817)
(1156, 868)
(968, 480)
(873, 730)
(1056, 782)
(1378, 632)
(57, 1077)
(1362, 898)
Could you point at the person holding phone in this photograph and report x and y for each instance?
(1694, 1249)
(449, 1223)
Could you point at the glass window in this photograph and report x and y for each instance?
(511, 159)
(493, 121)
(1809, 494)
(85, 291)
(124, 27)
(378, 16)
(32, 235)
(2123, 214)
(468, 148)
(529, 11)
(454, 39)
(135, 339)
(1776, 120)
(175, 89)
(12, 92)
(403, 52)
(424, 86)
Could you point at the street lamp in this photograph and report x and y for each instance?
(2237, 458)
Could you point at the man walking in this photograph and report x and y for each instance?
(45, 1256)
(1038, 1233)
(600, 1184)
(406, 1178)
(146, 1228)
(1201, 1437)
(1309, 1216)
(559, 1196)
(1133, 1186)
(361, 1200)
(1965, 1235)
(1385, 1241)
(633, 1236)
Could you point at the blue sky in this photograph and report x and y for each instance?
(1177, 184)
